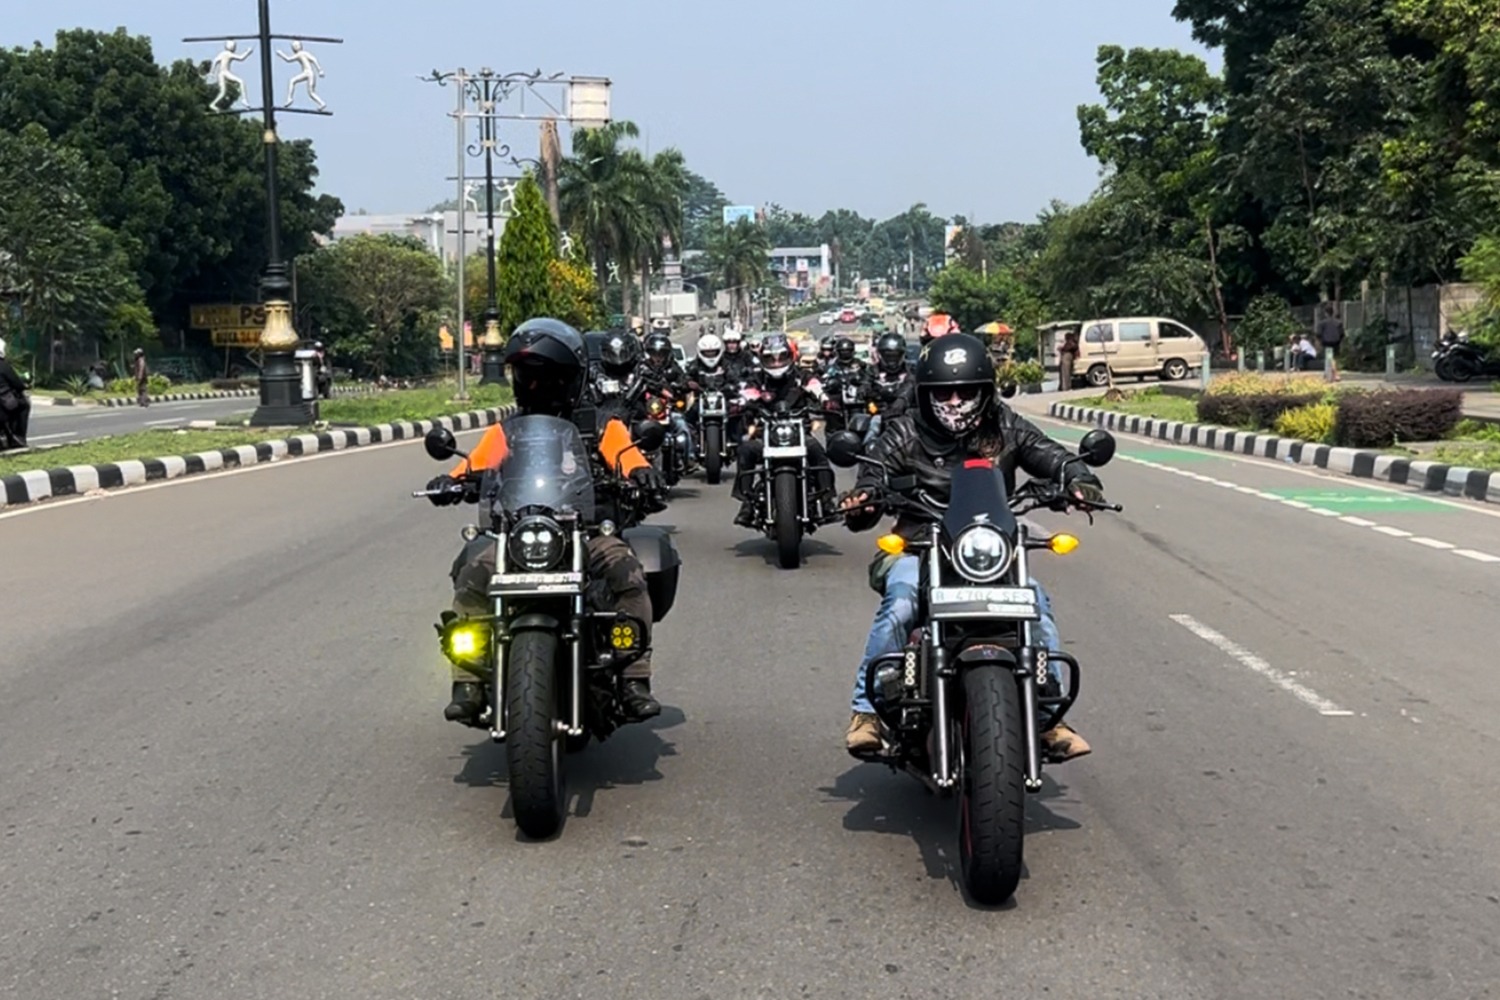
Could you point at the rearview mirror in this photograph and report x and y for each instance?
(843, 449)
(440, 444)
(1097, 447)
(649, 435)
(1008, 389)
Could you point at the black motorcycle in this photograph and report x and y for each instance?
(963, 705)
(1457, 360)
(788, 503)
(671, 456)
(552, 666)
(713, 418)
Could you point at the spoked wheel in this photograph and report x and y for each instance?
(713, 453)
(538, 792)
(788, 525)
(1174, 370)
(992, 791)
(1098, 376)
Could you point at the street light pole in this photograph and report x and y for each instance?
(283, 399)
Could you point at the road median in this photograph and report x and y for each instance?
(150, 456)
(1433, 477)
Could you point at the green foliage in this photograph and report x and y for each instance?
(1150, 402)
(1021, 373)
(379, 297)
(968, 296)
(1308, 423)
(1481, 265)
(1253, 411)
(156, 385)
(575, 296)
(1381, 419)
(1268, 323)
(410, 404)
(528, 248)
(1257, 384)
(737, 260)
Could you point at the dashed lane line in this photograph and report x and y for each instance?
(1245, 658)
(1436, 544)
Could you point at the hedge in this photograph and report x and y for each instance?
(1255, 411)
(1381, 419)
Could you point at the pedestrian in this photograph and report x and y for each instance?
(1067, 357)
(142, 376)
(15, 407)
(1305, 353)
(1331, 333)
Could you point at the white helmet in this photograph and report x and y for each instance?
(710, 350)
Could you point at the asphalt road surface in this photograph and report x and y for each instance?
(52, 425)
(226, 771)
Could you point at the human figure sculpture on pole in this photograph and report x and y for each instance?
(471, 204)
(311, 70)
(508, 201)
(220, 73)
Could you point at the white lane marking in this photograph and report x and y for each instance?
(1358, 522)
(158, 423)
(49, 437)
(1245, 658)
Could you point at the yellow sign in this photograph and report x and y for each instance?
(242, 337)
(225, 316)
(445, 337)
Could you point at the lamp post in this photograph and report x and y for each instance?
(283, 400)
(587, 105)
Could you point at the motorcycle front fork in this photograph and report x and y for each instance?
(1030, 670)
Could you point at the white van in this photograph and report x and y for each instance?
(1137, 345)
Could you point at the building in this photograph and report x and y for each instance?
(439, 230)
(804, 271)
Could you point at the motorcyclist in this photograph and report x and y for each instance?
(547, 363)
(938, 325)
(957, 414)
(322, 372)
(708, 368)
(15, 404)
(736, 361)
(613, 384)
(889, 384)
(777, 381)
(661, 375)
(825, 358)
(845, 371)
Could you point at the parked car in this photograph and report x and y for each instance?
(1140, 346)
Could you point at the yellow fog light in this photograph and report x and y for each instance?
(892, 545)
(622, 636)
(1062, 543)
(466, 642)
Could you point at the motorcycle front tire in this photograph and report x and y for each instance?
(786, 518)
(992, 788)
(533, 748)
(713, 453)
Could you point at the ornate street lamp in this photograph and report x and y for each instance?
(282, 400)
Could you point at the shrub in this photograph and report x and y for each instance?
(227, 383)
(155, 385)
(1380, 419)
(1308, 423)
(1021, 372)
(1255, 412)
(1256, 384)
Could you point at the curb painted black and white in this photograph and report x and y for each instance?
(1434, 477)
(29, 487)
(177, 397)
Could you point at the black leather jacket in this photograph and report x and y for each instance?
(906, 448)
(894, 393)
(791, 390)
(708, 378)
(838, 375)
(670, 377)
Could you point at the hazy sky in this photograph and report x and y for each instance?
(967, 105)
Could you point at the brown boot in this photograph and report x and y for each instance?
(864, 733)
(1061, 743)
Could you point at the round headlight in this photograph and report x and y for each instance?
(783, 434)
(536, 543)
(982, 553)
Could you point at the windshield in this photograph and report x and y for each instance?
(546, 465)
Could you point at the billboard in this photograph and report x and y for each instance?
(950, 233)
(734, 213)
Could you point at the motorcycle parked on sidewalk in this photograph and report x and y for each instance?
(552, 666)
(788, 503)
(962, 707)
(1457, 360)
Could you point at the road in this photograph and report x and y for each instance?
(52, 425)
(227, 773)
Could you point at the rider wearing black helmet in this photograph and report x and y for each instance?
(957, 415)
(613, 386)
(888, 383)
(777, 381)
(547, 365)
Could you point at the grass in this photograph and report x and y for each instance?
(1469, 454)
(410, 404)
(1149, 403)
(125, 447)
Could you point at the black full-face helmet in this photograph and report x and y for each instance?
(843, 349)
(825, 350)
(955, 384)
(776, 356)
(547, 361)
(890, 349)
(658, 349)
(619, 354)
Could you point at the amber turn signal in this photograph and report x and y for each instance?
(892, 545)
(1062, 543)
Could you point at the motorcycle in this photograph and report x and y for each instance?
(843, 399)
(1457, 360)
(672, 456)
(787, 505)
(551, 666)
(963, 705)
(713, 444)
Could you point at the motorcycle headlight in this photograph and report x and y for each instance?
(782, 434)
(466, 643)
(536, 543)
(982, 553)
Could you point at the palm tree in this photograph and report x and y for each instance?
(599, 193)
(738, 261)
(661, 203)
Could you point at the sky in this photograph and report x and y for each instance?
(874, 105)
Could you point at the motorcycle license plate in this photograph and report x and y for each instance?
(851, 394)
(535, 583)
(1009, 602)
(713, 404)
(610, 386)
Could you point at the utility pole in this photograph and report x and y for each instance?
(284, 399)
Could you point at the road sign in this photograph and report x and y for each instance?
(236, 337)
(227, 316)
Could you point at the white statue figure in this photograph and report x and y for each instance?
(508, 201)
(614, 271)
(311, 70)
(471, 204)
(565, 245)
(220, 73)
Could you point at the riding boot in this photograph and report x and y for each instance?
(636, 699)
(467, 703)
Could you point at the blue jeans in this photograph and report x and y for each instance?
(898, 613)
(873, 432)
(680, 426)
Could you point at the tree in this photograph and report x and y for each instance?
(702, 210)
(379, 297)
(528, 249)
(71, 274)
(738, 258)
(971, 298)
(181, 186)
(598, 190)
(575, 296)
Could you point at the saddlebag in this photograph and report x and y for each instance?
(653, 547)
